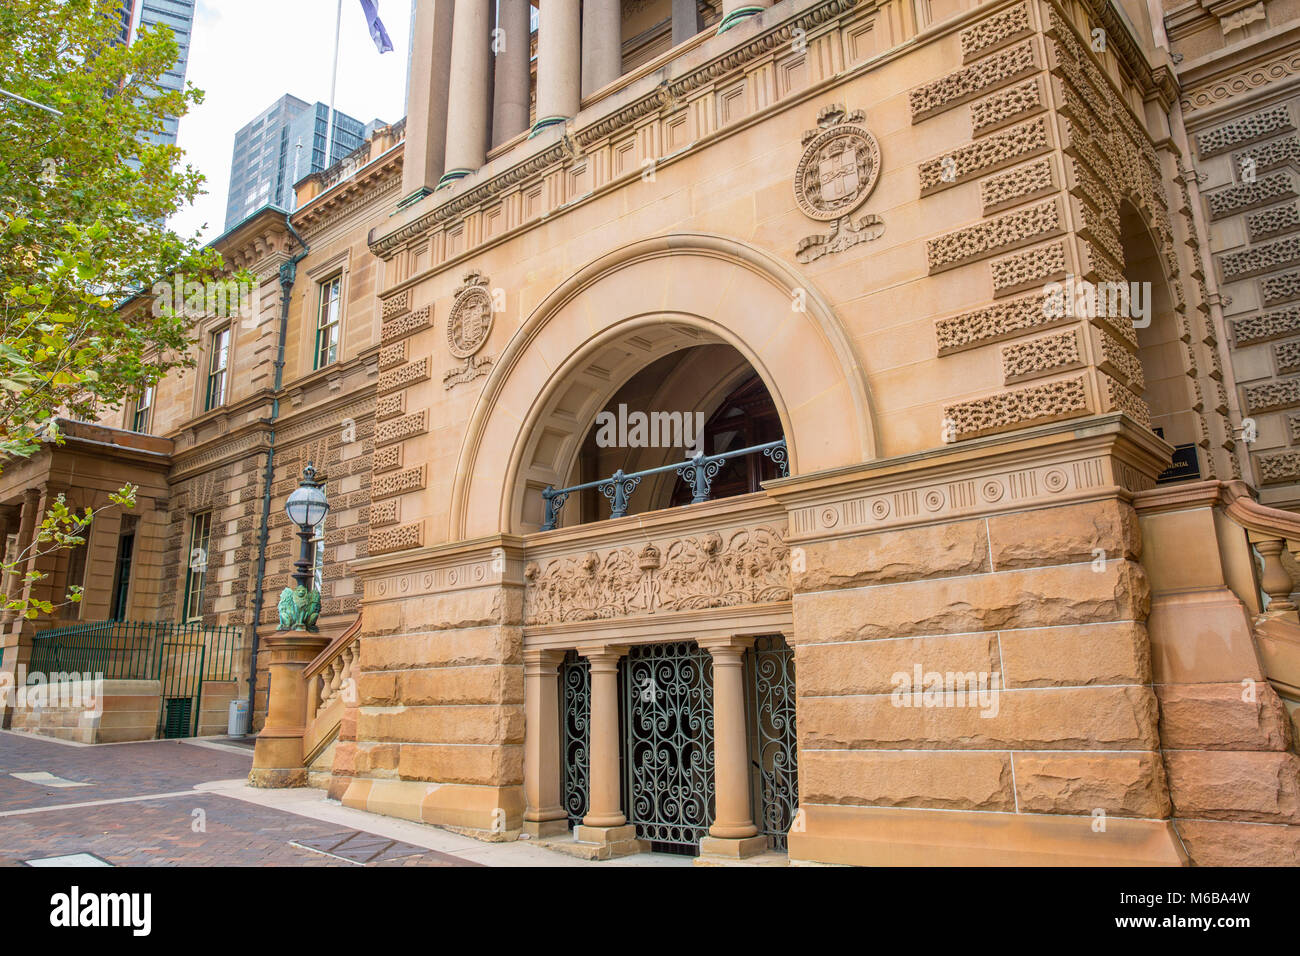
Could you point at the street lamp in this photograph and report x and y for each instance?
(306, 507)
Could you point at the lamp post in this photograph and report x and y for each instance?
(306, 507)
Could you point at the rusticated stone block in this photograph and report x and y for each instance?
(483, 684)
(1127, 785)
(374, 758)
(451, 648)
(870, 667)
(481, 766)
(1232, 785)
(1218, 717)
(454, 724)
(1244, 129)
(1039, 597)
(906, 555)
(1008, 231)
(940, 780)
(1006, 106)
(1075, 718)
(1221, 843)
(1016, 408)
(1081, 654)
(971, 81)
(1065, 535)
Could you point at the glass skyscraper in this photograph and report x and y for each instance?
(281, 146)
(179, 16)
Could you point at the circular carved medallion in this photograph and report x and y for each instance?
(837, 172)
(469, 322)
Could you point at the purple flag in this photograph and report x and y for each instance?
(377, 32)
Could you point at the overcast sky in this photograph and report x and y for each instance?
(245, 54)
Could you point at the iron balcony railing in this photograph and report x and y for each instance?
(129, 650)
(698, 471)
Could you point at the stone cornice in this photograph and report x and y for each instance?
(253, 437)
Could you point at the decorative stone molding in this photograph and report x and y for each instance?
(396, 304)
(1242, 196)
(985, 155)
(1119, 362)
(710, 570)
(397, 429)
(400, 538)
(1276, 469)
(993, 323)
(1244, 129)
(384, 513)
(1006, 106)
(1269, 396)
(405, 325)
(397, 482)
(387, 459)
(1005, 232)
(1279, 288)
(1287, 356)
(1282, 67)
(1120, 399)
(1032, 358)
(1268, 156)
(1264, 258)
(391, 355)
(390, 406)
(1034, 405)
(1273, 221)
(844, 235)
(995, 32)
(474, 367)
(1033, 267)
(974, 80)
(466, 574)
(1269, 325)
(408, 374)
(1018, 185)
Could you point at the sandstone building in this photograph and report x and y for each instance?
(840, 231)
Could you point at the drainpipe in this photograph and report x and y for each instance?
(288, 272)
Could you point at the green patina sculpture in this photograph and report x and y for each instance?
(299, 608)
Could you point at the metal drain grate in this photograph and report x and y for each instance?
(360, 848)
(75, 859)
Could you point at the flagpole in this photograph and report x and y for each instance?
(334, 82)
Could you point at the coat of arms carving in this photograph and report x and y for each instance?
(468, 325)
(836, 174)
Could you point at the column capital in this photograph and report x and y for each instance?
(606, 654)
(542, 660)
(724, 648)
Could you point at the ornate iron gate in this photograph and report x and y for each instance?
(668, 744)
(575, 721)
(771, 704)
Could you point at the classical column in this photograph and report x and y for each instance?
(686, 20)
(559, 62)
(733, 832)
(510, 44)
(604, 828)
(467, 109)
(733, 11)
(426, 112)
(545, 814)
(602, 44)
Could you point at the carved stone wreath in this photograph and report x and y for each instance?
(839, 166)
(470, 320)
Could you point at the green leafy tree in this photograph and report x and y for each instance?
(84, 198)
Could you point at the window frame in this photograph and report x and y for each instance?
(142, 415)
(332, 282)
(215, 374)
(193, 595)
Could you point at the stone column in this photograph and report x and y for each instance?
(545, 814)
(426, 113)
(559, 62)
(686, 20)
(605, 826)
(602, 44)
(278, 755)
(510, 94)
(467, 109)
(733, 11)
(733, 832)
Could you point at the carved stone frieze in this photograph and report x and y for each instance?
(710, 570)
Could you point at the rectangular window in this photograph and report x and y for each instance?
(122, 573)
(196, 567)
(327, 322)
(143, 406)
(219, 356)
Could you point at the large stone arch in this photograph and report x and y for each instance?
(627, 308)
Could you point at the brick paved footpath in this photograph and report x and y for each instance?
(195, 828)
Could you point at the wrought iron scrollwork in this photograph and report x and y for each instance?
(575, 689)
(773, 706)
(699, 474)
(778, 456)
(668, 704)
(618, 490)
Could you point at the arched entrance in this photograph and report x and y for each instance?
(619, 315)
